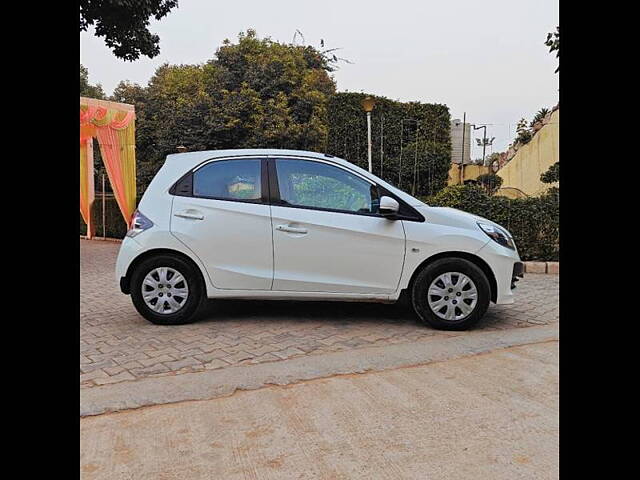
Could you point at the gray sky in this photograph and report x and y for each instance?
(486, 58)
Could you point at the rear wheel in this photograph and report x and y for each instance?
(167, 290)
(451, 294)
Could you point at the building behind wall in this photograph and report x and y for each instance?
(456, 142)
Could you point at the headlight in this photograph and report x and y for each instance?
(139, 223)
(498, 234)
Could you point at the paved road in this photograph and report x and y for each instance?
(118, 345)
(493, 416)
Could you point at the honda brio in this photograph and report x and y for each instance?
(296, 225)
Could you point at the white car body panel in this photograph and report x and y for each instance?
(337, 253)
(345, 257)
(233, 240)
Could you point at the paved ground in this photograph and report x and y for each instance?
(118, 345)
(493, 416)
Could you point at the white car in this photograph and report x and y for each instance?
(296, 225)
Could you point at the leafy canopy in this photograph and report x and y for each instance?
(553, 42)
(123, 24)
(552, 175)
(255, 93)
(86, 89)
(490, 182)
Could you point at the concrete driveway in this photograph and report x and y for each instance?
(492, 416)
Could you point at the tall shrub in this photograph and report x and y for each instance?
(400, 129)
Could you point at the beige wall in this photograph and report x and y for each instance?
(471, 172)
(533, 159)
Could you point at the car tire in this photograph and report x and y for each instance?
(443, 303)
(152, 272)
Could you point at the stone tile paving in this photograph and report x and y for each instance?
(117, 344)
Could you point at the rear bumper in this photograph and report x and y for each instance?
(124, 285)
(129, 250)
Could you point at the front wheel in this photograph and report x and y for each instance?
(451, 294)
(167, 290)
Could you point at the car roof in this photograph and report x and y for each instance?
(197, 157)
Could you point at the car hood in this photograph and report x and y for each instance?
(453, 217)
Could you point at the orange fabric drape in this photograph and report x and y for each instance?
(86, 183)
(114, 128)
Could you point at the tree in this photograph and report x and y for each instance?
(136, 95)
(490, 182)
(539, 116)
(553, 42)
(86, 89)
(253, 93)
(123, 24)
(131, 93)
(494, 157)
(524, 134)
(552, 175)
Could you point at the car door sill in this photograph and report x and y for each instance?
(303, 296)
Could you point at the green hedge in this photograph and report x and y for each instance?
(115, 224)
(533, 221)
(347, 138)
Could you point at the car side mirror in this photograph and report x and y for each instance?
(389, 206)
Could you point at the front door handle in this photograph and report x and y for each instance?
(290, 229)
(189, 214)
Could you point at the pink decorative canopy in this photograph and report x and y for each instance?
(113, 124)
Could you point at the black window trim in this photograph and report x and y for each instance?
(275, 199)
(264, 181)
(271, 192)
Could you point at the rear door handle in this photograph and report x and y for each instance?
(290, 229)
(189, 214)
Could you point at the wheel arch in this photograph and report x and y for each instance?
(125, 282)
(477, 261)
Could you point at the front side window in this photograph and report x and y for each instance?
(305, 183)
(229, 180)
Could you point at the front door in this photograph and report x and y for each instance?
(227, 223)
(327, 233)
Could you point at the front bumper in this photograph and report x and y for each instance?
(506, 265)
(518, 273)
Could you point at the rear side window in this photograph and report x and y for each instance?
(229, 180)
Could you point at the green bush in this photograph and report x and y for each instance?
(552, 175)
(490, 182)
(115, 224)
(533, 221)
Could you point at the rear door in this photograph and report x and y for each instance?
(327, 233)
(221, 213)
